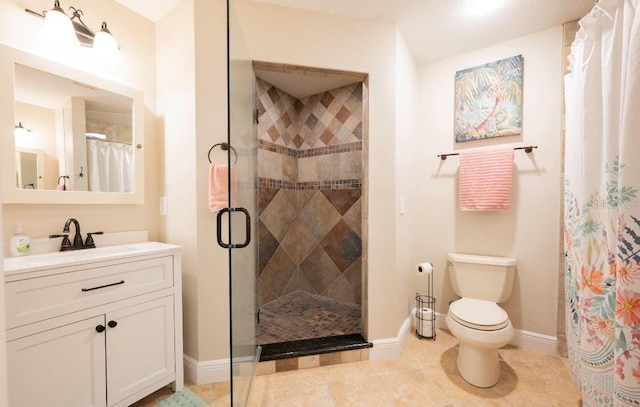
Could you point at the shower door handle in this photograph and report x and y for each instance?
(247, 228)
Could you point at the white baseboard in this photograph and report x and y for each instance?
(535, 342)
(209, 371)
(390, 348)
(522, 339)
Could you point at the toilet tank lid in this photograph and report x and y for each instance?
(476, 259)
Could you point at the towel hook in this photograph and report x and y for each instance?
(224, 146)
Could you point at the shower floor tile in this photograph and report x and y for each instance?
(301, 315)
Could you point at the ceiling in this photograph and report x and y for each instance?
(153, 10)
(436, 29)
(433, 29)
(301, 86)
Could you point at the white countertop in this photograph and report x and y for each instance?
(39, 262)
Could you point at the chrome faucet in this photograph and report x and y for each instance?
(77, 239)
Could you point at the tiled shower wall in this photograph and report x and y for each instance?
(310, 194)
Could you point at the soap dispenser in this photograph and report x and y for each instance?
(19, 244)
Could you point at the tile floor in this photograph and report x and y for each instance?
(424, 375)
(301, 315)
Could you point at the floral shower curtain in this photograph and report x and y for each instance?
(602, 205)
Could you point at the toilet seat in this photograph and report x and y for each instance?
(478, 314)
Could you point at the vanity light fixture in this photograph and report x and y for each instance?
(20, 130)
(71, 31)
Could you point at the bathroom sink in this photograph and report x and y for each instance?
(56, 259)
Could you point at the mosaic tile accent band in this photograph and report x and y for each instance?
(311, 152)
(337, 184)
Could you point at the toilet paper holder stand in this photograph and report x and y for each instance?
(426, 311)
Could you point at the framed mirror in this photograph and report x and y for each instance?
(77, 138)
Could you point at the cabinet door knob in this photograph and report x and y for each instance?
(100, 328)
(112, 324)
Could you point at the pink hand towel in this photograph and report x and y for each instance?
(219, 187)
(485, 179)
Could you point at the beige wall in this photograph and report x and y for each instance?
(282, 35)
(211, 128)
(136, 38)
(410, 231)
(176, 124)
(527, 231)
(191, 76)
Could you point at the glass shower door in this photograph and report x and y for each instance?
(242, 214)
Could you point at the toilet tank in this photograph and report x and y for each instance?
(481, 277)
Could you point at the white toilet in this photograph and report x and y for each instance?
(476, 320)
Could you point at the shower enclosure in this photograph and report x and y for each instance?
(295, 232)
(237, 223)
(309, 205)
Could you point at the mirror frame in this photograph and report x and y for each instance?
(10, 194)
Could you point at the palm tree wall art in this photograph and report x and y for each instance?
(488, 100)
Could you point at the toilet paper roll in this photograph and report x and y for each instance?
(426, 314)
(424, 322)
(425, 268)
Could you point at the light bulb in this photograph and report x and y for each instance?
(20, 132)
(105, 46)
(58, 29)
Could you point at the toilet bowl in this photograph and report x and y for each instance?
(481, 327)
(476, 320)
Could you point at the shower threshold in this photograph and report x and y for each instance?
(315, 346)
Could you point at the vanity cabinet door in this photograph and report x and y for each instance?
(140, 348)
(62, 367)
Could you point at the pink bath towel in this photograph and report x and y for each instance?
(485, 179)
(219, 187)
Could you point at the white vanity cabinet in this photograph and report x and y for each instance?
(97, 332)
(63, 366)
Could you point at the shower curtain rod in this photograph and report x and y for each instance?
(110, 141)
(527, 149)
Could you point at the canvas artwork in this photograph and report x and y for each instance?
(488, 100)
